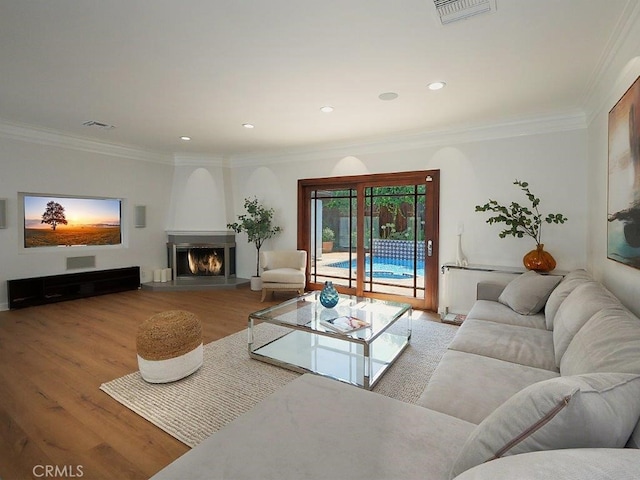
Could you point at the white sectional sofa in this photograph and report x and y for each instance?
(541, 381)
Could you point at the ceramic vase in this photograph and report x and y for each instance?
(461, 258)
(539, 260)
(329, 295)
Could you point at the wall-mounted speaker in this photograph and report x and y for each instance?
(140, 216)
(88, 261)
(3, 213)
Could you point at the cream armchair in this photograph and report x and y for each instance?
(283, 270)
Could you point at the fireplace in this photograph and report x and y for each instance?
(201, 257)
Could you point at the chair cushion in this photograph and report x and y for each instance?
(585, 411)
(272, 259)
(283, 275)
(527, 293)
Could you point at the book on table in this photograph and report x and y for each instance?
(345, 324)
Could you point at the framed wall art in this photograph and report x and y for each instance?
(623, 202)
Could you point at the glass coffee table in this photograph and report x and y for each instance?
(303, 344)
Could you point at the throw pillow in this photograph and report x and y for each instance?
(527, 293)
(583, 411)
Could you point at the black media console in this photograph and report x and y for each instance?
(27, 292)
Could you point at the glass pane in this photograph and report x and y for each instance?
(394, 262)
(334, 235)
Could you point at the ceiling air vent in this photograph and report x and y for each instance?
(451, 11)
(93, 123)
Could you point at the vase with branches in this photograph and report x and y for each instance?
(257, 223)
(524, 221)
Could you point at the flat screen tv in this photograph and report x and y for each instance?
(68, 221)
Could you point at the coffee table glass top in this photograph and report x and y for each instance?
(305, 345)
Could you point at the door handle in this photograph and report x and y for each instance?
(430, 248)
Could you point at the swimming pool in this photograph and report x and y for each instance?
(384, 267)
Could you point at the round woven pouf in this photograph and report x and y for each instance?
(169, 346)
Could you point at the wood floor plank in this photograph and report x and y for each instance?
(19, 455)
(54, 359)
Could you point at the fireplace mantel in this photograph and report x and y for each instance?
(199, 232)
(200, 236)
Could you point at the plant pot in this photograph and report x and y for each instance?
(256, 284)
(327, 247)
(539, 260)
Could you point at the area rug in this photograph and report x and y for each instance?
(230, 383)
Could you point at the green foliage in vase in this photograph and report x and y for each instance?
(257, 223)
(520, 220)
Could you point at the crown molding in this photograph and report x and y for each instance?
(41, 136)
(594, 103)
(573, 120)
(199, 160)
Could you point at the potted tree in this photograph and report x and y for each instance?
(522, 221)
(257, 223)
(328, 238)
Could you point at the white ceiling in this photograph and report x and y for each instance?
(159, 69)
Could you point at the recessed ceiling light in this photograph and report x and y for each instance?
(185, 138)
(326, 109)
(436, 85)
(388, 96)
(248, 125)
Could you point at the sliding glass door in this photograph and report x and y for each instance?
(373, 235)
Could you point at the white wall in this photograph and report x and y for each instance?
(44, 168)
(554, 164)
(564, 162)
(623, 70)
(198, 198)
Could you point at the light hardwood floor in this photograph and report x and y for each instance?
(54, 358)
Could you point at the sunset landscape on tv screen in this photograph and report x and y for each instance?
(71, 221)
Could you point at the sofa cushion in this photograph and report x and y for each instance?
(634, 440)
(564, 288)
(318, 428)
(489, 290)
(470, 387)
(499, 313)
(608, 342)
(570, 463)
(527, 293)
(527, 346)
(579, 306)
(596, 410)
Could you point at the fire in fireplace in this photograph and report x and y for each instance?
(196, 256)
(206, 261)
